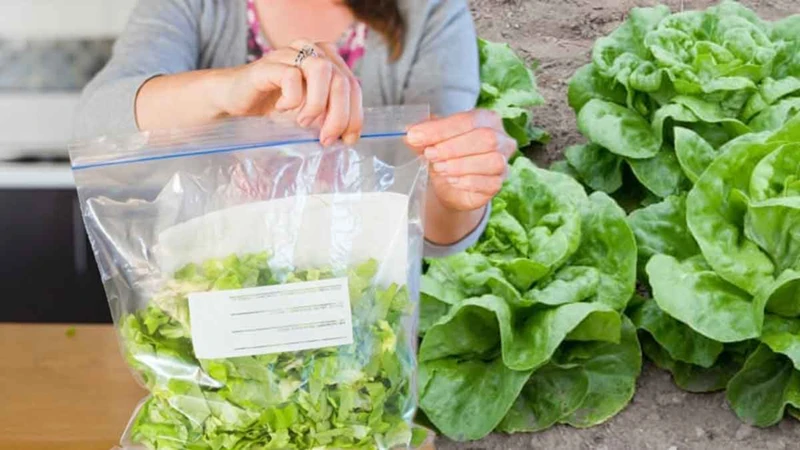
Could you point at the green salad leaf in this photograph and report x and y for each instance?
(665, 92)
(661, 229)
(696, 378)
(447, 395)
(536, 303)
(602, 169)
(769, 384)
(584, 384)
(508, 87)
(766, 385)
(349, 397)
(679, 341)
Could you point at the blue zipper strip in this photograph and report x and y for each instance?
(232, 148)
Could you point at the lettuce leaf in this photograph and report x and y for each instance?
(695, 378)
(508, 87)
(583, 385)
(766, 385)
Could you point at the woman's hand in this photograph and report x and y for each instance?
(321, 91)
(469, 155)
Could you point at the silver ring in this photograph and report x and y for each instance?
(306, 52)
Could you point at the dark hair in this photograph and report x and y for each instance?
(384, 17)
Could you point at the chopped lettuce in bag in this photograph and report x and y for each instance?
(265, 288)
(354, 396)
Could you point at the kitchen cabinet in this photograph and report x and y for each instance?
(47, 268)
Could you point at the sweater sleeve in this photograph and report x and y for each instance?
(445, 74)
(161, 37)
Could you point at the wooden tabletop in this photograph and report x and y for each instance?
(63, 391)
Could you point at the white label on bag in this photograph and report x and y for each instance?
(271, 319)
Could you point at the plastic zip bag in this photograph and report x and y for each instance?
(264, 288)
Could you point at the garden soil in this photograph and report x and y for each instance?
(558, 36)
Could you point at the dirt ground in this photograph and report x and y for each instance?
(559, 35)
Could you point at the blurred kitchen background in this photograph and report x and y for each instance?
(49, 50)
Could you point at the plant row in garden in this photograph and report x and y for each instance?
(692, 121)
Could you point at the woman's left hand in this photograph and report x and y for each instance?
(469, 155)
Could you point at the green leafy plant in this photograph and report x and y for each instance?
(350, 397)
(723, 263)
(508, 87)
(524, 330)
(664, 92)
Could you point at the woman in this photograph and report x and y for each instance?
(187, 62)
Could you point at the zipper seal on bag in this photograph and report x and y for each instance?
(229, 135)
(221, 150)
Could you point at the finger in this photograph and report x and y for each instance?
(438, 130)
(493, 164)
(318, 73)
(480, 184)
(310, 110)
(292, 91)
(356, 121)
(267, 76)
(419, 150)
(337, 118)
(356, 124)
(276, 70)
(339, 102)
(476, 142)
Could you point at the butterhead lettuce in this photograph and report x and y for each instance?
(524, 330)
(664, 92)
(723, 263)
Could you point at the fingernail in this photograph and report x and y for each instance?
(431, 153)
(350, 138)
(304, 121)
(453, 180)
(440, 167)
(328, 141)
(415, 137)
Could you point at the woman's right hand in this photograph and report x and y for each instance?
(321, 91)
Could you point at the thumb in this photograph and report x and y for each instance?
(418, 150)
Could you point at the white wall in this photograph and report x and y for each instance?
(41, 122)
(22, 19)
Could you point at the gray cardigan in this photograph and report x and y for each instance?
(439, 65)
